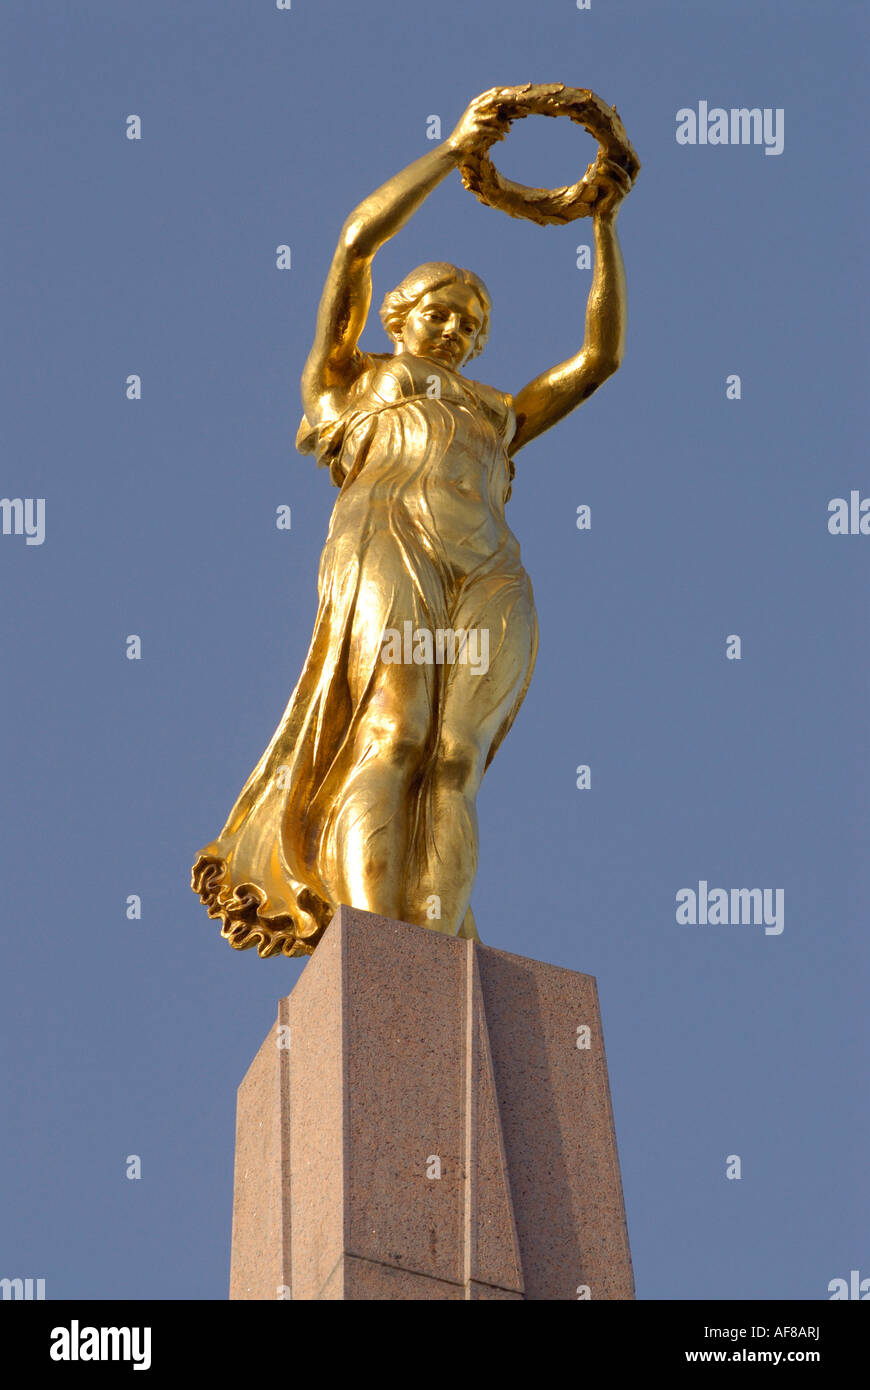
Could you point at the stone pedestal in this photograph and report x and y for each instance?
(422, 1124)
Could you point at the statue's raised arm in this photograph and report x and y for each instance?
(553, 394)
(333, 361)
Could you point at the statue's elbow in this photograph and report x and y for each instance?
(355, 236)
(604, 366)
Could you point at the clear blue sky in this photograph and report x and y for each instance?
(709, 518)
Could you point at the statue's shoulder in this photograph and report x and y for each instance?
(498, 404)
(334, 407)
(490, 395)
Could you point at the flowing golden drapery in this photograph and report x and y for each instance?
(417, 535)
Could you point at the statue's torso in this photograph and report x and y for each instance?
(421, 439)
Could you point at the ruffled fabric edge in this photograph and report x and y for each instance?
(245, 922)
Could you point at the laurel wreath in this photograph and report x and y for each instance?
(552, 206)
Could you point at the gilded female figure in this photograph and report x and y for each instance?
(366, 793)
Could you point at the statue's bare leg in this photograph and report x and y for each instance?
(391, 740)
(476, 704)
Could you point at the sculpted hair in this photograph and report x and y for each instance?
(433, 275)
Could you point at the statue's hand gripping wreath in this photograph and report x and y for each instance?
(425, 636)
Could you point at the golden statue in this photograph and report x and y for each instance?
(426, 632)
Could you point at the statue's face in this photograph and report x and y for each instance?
(443, 325)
